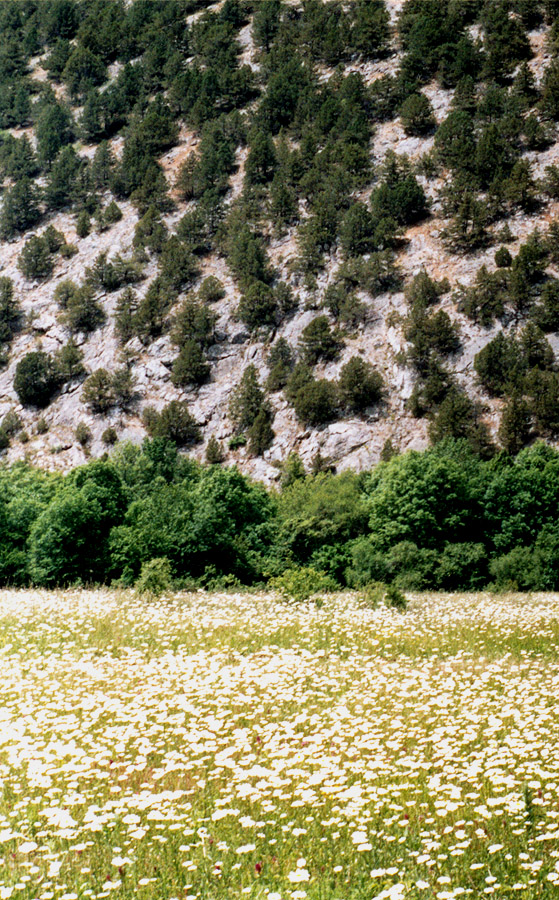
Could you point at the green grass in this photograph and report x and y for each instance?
(204, 746)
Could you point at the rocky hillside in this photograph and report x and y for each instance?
(273, 227)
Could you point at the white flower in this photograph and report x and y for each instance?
(246, 848)
(27, 847)
(494, 848)
(299, 875)
(359, 837)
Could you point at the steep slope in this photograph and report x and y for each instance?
(378, 330)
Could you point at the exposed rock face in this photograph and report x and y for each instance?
(351, 442)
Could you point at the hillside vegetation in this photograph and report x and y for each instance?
(259, 227)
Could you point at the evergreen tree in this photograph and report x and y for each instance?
(280, 363)
(20, 209)
(190, 367)
(261, 433)
(416, 114)
(247, 400)
(261, 161)
(53, 131)
(35, 260)
(61, 183)
(359, 385)
(318, 342)
(36, 379)
(102, 166)
(83, 71)
(257, 306)
(214, 451)
(9, 310)
(515, 428)
(265, 23)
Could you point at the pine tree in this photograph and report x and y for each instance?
(515, 428)
(247, 400)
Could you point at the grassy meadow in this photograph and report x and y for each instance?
(235, 745)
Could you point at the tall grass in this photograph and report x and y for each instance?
(224, 746)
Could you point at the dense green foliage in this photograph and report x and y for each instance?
(442, 519)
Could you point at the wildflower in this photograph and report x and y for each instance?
(299, 875)
(246, 848)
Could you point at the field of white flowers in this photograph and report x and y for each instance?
(224, 746)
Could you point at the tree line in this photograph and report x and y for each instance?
(442, 519)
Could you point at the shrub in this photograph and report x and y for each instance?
(11, 423)
(394, 598)
(83, 224)
(214, 451)
(280, 362)
(83, 434)
(261, 433)
(503, 258)
(98, 392)
(211, 290)
(69, 361)
(155, 578)
(416, 114)
(318, 342)
(301, 583)
(35, 260)
(112, 213)
(82, 311)
(239, 440)
(518, 570)
(190, 366)
(9, 310)
(175, 422)
(109, 436)
(359, 385)
(247, 400)
(36, 379)
(316, 403)
(257, 306)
